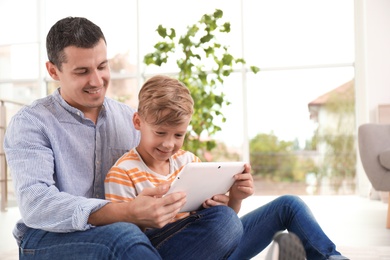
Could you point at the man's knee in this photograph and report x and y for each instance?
(122, 231)
(127, 239)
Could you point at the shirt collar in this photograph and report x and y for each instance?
(57, 96)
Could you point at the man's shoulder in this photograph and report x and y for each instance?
(112, 104)
(129, 160)
(38, 106)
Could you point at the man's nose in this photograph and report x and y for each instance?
(96, 78)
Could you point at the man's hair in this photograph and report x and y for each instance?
(71, 31)
(165, 100)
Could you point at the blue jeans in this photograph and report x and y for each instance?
(284, 213)
(213, 233)
(116, 241)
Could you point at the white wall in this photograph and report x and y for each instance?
(372, 65)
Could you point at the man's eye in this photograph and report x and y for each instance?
(81, 72)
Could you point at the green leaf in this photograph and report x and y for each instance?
(240, 61)
(225, 28)
(162, 31)
(254, 69)
(218, 13)
(206, 38)
(227, 59)
(172, 35)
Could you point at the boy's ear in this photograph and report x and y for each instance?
(136, 121)
(52, 70)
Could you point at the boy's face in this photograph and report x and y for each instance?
(158, 143)
(84, 76)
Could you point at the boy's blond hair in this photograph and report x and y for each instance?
(165, 100)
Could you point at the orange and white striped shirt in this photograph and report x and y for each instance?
(130, 175)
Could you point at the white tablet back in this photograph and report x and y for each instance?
(203, 180)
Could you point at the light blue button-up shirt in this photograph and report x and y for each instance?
(59, 159)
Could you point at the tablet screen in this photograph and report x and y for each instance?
(202, 180)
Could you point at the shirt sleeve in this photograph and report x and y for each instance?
(32, 165)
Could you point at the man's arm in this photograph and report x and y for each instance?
(34, 151)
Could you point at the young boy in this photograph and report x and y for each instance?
(164, 113)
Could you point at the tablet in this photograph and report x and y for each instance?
(202, 180)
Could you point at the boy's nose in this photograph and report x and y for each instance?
(168, 143)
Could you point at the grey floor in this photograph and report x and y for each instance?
(355, 224)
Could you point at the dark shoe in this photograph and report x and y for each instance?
(286, 246)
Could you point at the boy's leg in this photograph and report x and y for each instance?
(115, 241)
(211, 233)
(284, 213)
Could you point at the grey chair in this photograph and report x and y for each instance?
(374, 150)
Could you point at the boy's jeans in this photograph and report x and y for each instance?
(284, 213)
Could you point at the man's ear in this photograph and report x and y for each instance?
(136, 121)
(52, 69)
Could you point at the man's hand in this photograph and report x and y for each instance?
(149, 209)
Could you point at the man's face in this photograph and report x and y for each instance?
(84, 77)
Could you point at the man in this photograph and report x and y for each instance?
(59, 150)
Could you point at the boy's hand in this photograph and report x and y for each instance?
(242, 188)
(220, 199)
